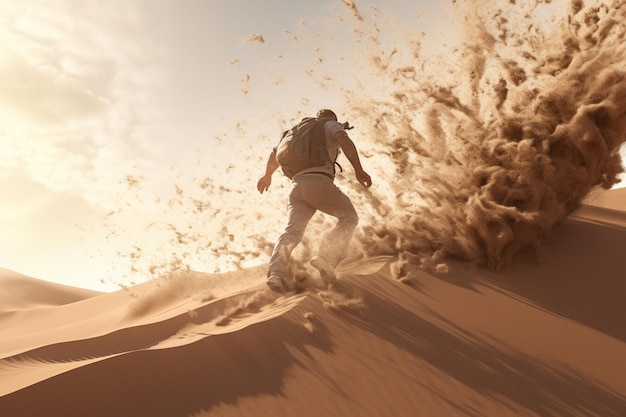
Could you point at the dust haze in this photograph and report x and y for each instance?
(483, 163)
(475, 152)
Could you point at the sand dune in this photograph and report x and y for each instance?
(544, 338)
(26, 292)
(480, 151)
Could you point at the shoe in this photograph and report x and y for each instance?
(327, 271)
(276, 284)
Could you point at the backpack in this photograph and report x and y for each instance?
(302, 147)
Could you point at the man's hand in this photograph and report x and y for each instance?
(266, 180)
(264, 183)
(364, 178)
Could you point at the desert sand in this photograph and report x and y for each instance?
(545, 337)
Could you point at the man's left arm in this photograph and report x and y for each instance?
(349, 150)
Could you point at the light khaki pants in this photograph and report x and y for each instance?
(309, 193)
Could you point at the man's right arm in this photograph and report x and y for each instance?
(266, 180)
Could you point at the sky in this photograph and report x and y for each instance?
(130, 128)
(98, 96)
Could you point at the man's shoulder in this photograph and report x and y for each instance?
(333, 124)
(332, 128)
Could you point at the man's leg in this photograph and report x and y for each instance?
(326, 197)
(335, 243)
(299, 214)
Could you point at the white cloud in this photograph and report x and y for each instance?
(76, 79)
(41, 98)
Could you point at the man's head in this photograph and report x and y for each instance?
(326, 114)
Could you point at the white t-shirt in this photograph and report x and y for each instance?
(332, 128)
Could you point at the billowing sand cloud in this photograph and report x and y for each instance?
(484, 165)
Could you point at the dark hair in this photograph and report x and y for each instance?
(326, 114)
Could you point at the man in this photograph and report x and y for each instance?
(313, 189)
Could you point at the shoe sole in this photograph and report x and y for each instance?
(327, 277)
(276, 287)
